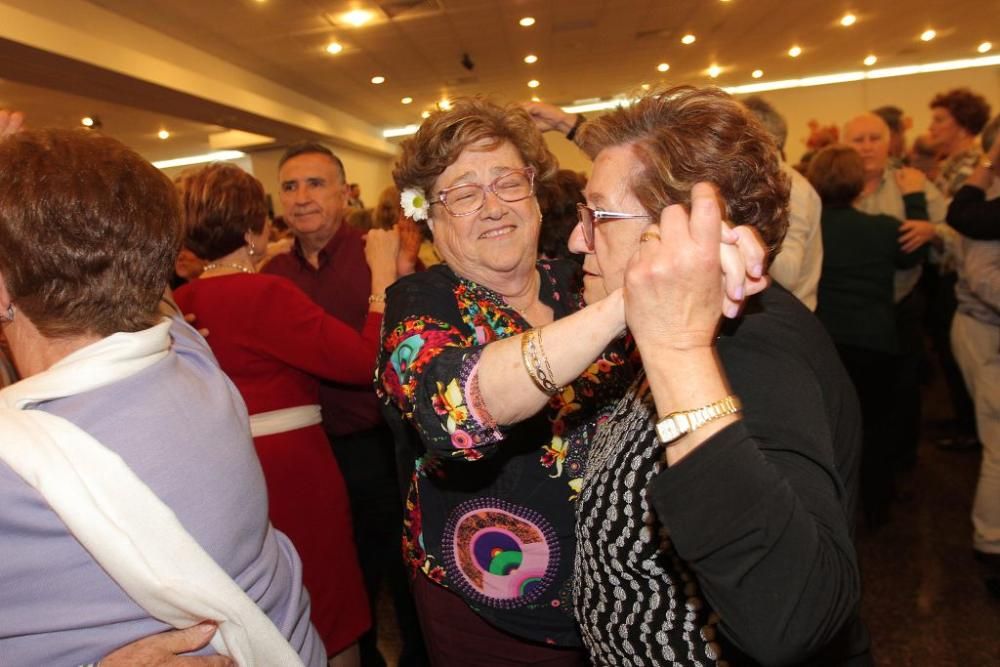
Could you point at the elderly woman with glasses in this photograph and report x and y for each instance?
(495, 377)
(715, 516)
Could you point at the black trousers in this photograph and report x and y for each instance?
(368, 464)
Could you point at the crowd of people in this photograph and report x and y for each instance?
(627, 419)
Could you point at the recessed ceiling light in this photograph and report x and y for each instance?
(378, 80)
(425, 114)
(527, 21)
(531, 59)
(927, 35)
(333, 48)
(163, 134)
(795, 51)
(984, 47)
(714, 71)
(688, 39)
(407, 100)
(444, 105)
(645, 86)
(848, 20)
(871, 60)
(536, 98)
(357, 17)
(662, 67)
(757, 73)
(87, 121)
(533, 83)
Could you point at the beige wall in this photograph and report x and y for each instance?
(837, 103)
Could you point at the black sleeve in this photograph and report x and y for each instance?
(759, 514)
(915, 206)
(972, 216)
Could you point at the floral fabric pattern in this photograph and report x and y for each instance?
(490, 509)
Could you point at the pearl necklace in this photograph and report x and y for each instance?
(239, 267)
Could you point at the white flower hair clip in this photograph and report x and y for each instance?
(414, 203)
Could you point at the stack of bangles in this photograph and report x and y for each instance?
(536, 363)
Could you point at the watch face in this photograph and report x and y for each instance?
(672, 427)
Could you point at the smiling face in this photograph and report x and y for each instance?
(499, 242)
(615, 241)
(869, 136)
(313, 195)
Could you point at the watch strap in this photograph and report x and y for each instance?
(674, 425)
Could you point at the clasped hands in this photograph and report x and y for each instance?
(674, 296)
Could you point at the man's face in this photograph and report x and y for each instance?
(869, 136)
(313, 194)
(615, 241)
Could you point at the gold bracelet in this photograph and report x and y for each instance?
(535, 362)
(376, 298)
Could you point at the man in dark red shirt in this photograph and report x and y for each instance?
(327, 262)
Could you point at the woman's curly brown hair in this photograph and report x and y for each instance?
(445, 134)
(685, 135)
(970, 111)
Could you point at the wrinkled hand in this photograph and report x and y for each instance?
(10, 122)
(915, 233)
(410, 239)
(673, 292)
(742, 255)
(549, 117)
(164, 650)
(381, 250)
(910, 180)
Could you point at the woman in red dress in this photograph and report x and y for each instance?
(274, 343)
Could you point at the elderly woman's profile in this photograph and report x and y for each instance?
(131, 500)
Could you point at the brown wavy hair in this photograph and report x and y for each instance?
(971, 111)
(89, 231)
(684, 135)
(220, 203)
(838, 174)
(445, 134)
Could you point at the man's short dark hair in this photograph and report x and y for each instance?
(893, 117)
(312, 147)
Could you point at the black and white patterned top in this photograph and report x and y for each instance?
(637, 603)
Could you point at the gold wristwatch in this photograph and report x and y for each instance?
(676, 424)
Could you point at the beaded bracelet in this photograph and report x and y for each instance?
(536, 363)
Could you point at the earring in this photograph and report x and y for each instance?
(9, 315)
(251, 249)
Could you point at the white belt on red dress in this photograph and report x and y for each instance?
(284, 420)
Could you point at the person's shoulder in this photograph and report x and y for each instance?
(435, 278)
(281, 264)
(776, 323)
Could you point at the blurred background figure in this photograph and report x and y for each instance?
(898, 125)
(558, 201)
(354, 196)
(923, 156)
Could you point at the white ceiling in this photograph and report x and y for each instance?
(586, 48)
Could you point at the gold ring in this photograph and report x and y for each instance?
(648, 236)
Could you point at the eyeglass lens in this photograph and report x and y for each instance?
(467, 199)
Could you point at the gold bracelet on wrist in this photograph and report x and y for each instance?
(376, 298)
(536, 363)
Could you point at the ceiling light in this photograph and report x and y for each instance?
(984, 47)
(217, 156)
(357, 17)
(399, 131)
(425, 114)
(333, 48)
(848, 20)
(533, 83)
(688, 39)
(714, 71)
(378, 80)
(871, 60)
(407, 100)
(531, 59)
(87, 121)
(662, 67)
(163, 134)
(645, 86)
(527, 21)
(444, 105)
(536, 98)
(927, 35)
(757, 73)
(795, 51)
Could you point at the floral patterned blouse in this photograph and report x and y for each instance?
(490, 509)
